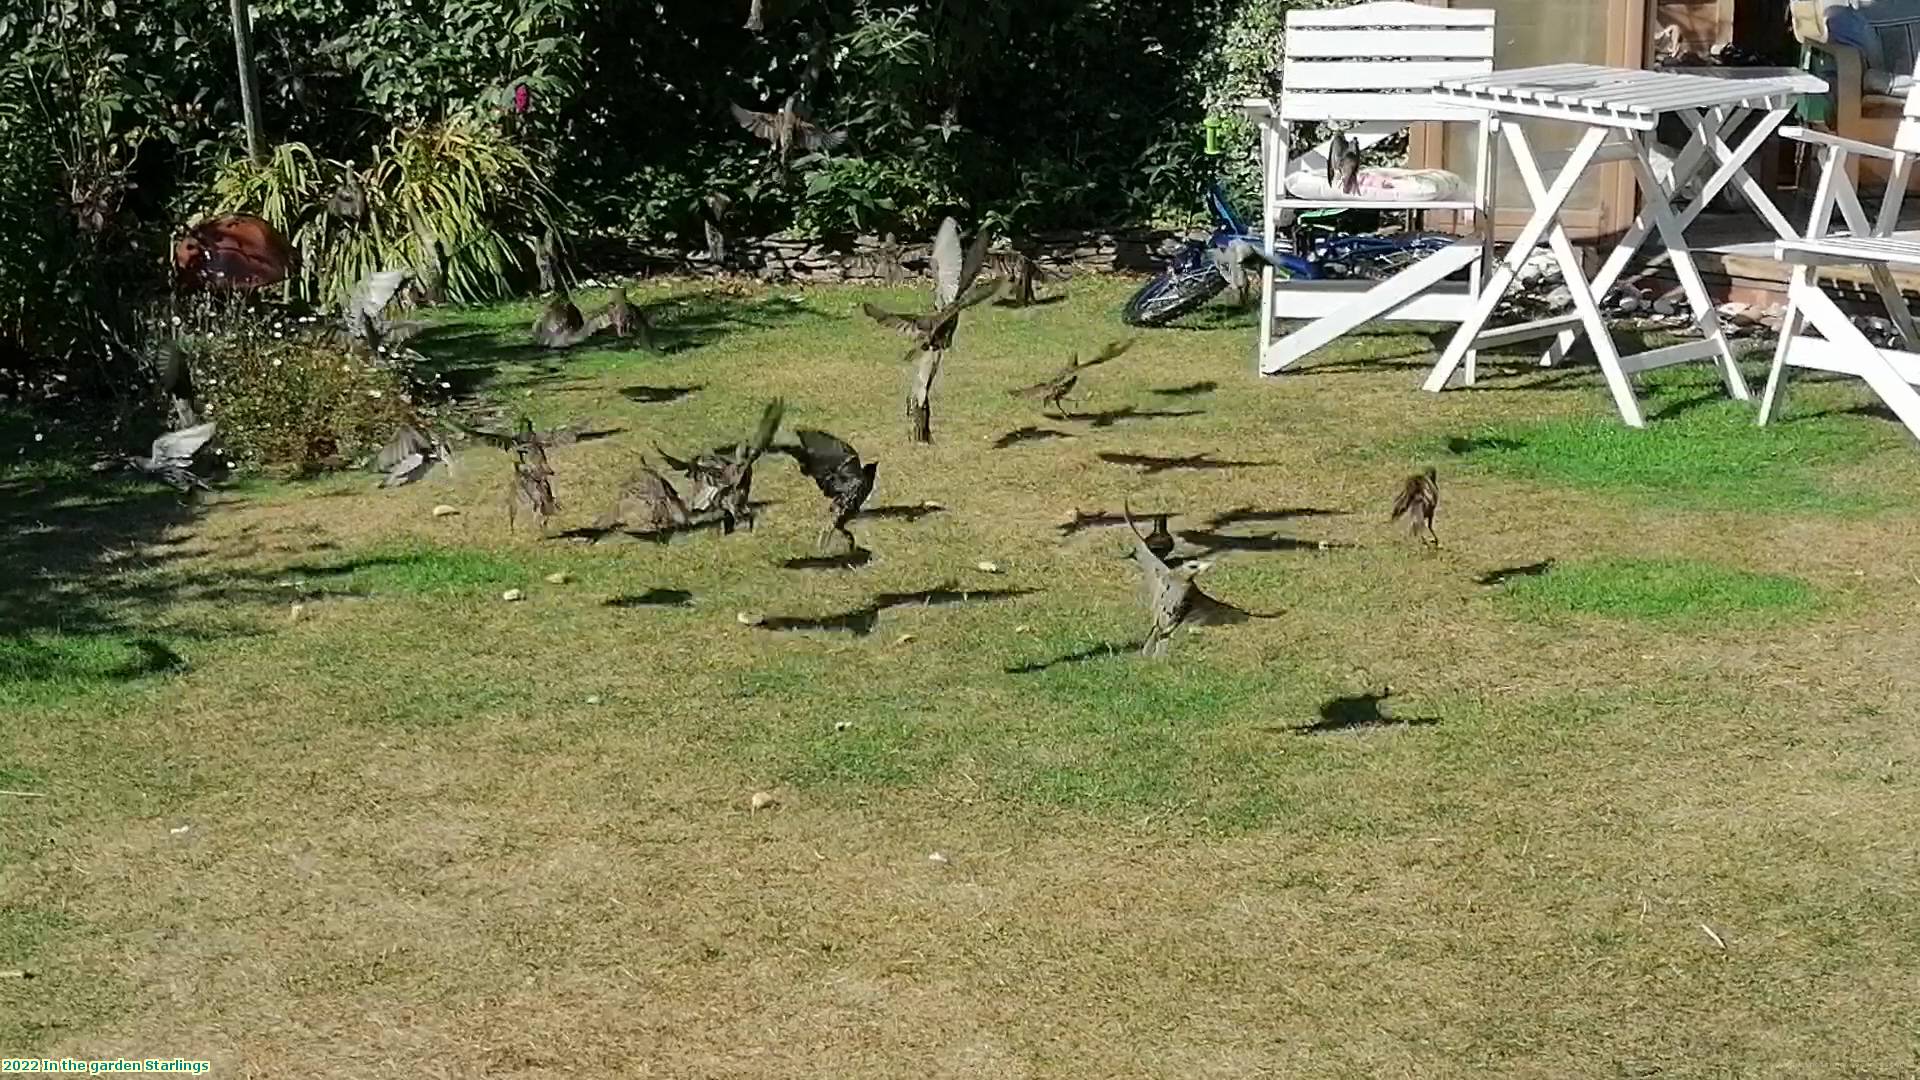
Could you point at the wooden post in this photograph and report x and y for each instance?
(249, 80)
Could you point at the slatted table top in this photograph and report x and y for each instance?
(1627, 97)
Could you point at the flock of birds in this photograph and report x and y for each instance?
(716, 485)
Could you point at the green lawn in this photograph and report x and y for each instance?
(1617, 782)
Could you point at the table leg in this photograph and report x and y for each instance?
(1546, 215)
(1692, 156)
(1706, 317)
(1585, 302)
(1733, 166)
(1848, 200)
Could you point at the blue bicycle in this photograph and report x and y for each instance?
(1319, 250)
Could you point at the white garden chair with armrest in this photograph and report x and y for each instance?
(1370, 67)
(1840, 346)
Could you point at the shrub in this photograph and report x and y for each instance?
(286, 394)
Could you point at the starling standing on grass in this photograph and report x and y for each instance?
(410, 455)
(836, 468)
(648, 504)
(787, 127)
(953, 275)
(170, 457)
(723, 477)
(532, 487)
(1419, 498)
(1053, 390)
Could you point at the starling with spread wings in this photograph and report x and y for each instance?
(366, 314)
(836, 469)
(723, 477)
(787, 127)
(754, 22)
(1020, 272)
(1053, 390)
(1419, 498)
(170, 458)
(954, 272)
(525, 435)
(410, 455)
(561, 326)
(1173, 599)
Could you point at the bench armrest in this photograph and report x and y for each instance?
(1851, 146)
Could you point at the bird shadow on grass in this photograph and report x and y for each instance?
(1038, 301)
(1463, 444)
(1028, 434)
(854, 559)
(651, 598)
(1149, 464)
(1098, 652)
(1509, 573)
(900, 513)
(1355, 712)
(1109, 417)
(861, 621)
(1191, 389)
(1249, 515)
(1099, 519)
(656, 395)
(1210, 541)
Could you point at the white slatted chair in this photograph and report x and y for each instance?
(1840, 346)
(1370, 67)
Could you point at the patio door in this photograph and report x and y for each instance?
(1529, 33)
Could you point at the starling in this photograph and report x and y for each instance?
(714, 211)
(953, 276)
(532, 486)
(836, 468)
(560, 325)
(349, 199)
(525, 435)
(787, 127)
(170, 457)
(1172, 597)
(1020, 273)
(1419, 498)
(1159, 541)
(647, 504)
(409, 456)
(723, 477)
(365, 317)
(1343, 164)
(753, 17)
(1053, 390)
(176, 382)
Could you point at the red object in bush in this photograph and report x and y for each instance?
(236, 251)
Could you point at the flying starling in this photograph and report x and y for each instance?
(560, 325)
(170, 457)
(647, 504)
(723, 477)
(1173, 599)
(1053, 390)
(787, 127)
(410, 455)
(532, 486)
(953, 277)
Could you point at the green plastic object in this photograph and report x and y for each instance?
(1213, 124)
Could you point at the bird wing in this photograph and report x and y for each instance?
(1150, 564)
(647, 499)
(1412, 498)
(177, 448)
(769, 426)
(825, 451)
(813, 137)
(761, 124)
(948, 264)
(374, 292)
(406, 442)
(406, 470)
(976, 258)
(909, 325)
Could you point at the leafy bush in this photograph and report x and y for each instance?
(287, 395)
(461, 184)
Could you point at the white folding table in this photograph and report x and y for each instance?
(1618, 108)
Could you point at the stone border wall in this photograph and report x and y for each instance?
(863, 259)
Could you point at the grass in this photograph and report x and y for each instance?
(1660, 589)
(1441, 813)
(1700, 451)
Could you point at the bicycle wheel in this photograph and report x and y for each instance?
(1170, 294)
